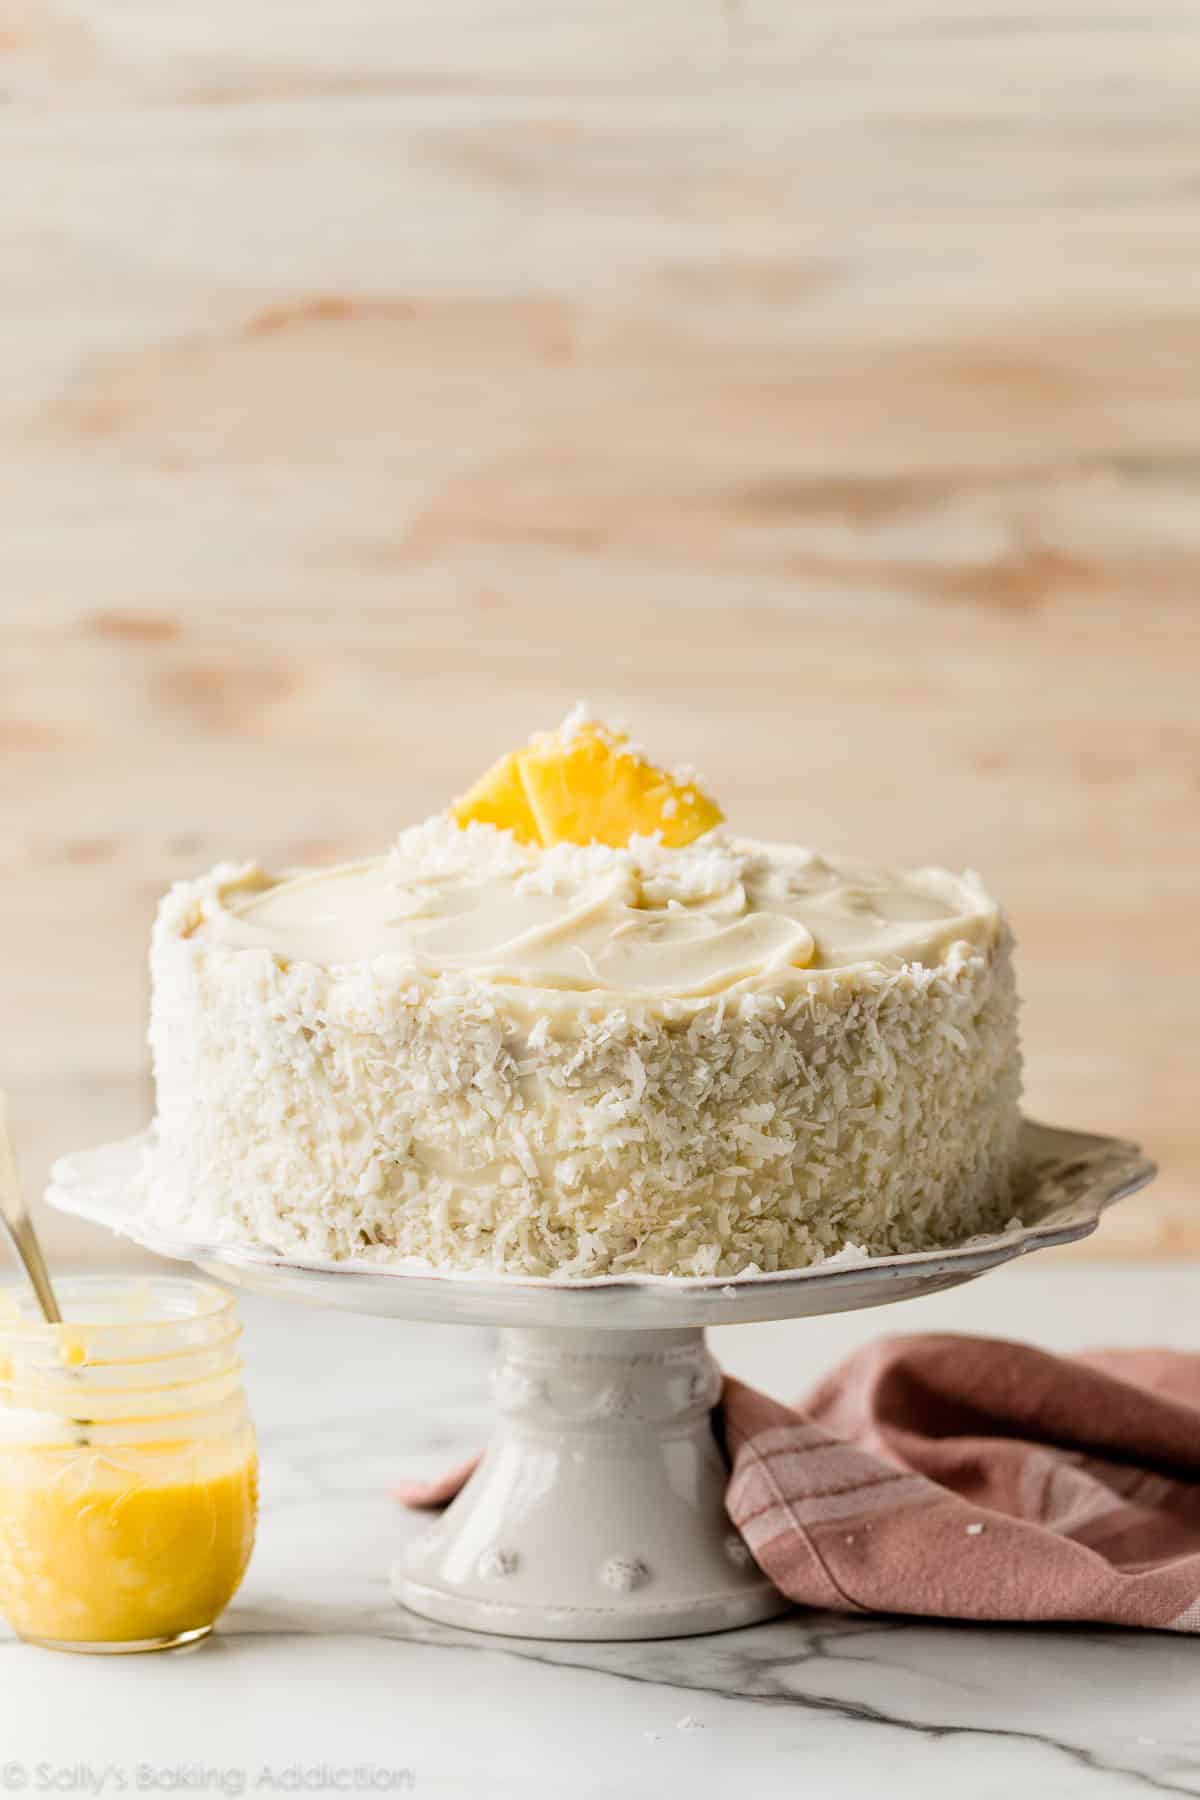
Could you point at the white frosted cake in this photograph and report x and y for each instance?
(704, 1057)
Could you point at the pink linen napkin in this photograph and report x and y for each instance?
(971, 1478)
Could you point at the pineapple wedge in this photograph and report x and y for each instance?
(594, 789)
(587, 788)
(499, 798)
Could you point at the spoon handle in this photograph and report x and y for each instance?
(16, 1219)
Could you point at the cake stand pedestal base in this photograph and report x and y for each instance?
(598, 1510)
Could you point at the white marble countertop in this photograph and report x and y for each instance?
(318, 1681)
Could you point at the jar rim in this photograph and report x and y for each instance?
(197, 1302)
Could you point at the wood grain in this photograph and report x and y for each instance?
(815, 386)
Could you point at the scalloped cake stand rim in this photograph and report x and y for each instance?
(1072, 1178)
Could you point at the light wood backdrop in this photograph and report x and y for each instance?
(816, 385)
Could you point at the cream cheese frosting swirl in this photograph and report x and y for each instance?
(721, 915)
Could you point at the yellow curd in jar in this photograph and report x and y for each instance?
(128, 1473)
(98, 1547)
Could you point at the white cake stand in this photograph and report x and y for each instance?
(598, 1509)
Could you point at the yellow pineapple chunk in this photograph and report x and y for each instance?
(498, 798)
(595, 790)
(589, 787)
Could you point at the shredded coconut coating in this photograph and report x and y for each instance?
(361, 1111)
(438, 847)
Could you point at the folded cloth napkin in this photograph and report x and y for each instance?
(971, 1478)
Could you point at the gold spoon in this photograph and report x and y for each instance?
(19, 1225)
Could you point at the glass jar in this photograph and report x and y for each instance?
(128, 1474)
